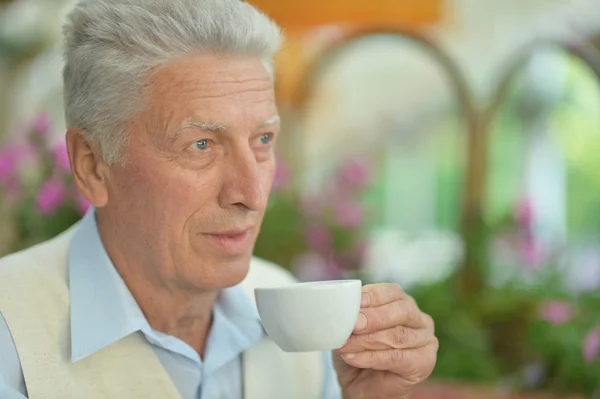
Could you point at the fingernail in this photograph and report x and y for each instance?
(349, 356)
(361, 323)
(365, 300)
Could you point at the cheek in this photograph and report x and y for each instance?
(186, 191)
(267, 175)
(160, 186)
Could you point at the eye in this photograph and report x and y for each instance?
(266, 138)
(200, 145)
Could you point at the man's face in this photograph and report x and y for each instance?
(198, 170)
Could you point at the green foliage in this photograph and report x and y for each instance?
(32, 228)
(561, 346)
(515, 314)
(465, 353)
(282, 235)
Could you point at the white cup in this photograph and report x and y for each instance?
(305, 317)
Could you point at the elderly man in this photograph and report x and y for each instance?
(172, 121)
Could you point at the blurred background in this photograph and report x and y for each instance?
(450, 146)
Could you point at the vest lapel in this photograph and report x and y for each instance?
(34, 300)
(139, 373)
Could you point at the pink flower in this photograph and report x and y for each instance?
(557, 312)
(9, 157)
(591, 344)
(42, 124)
(524, 213)
(61, 157)
(354, 173)
(348, 214)
(81, 203)
(533, 252)
(313, 267)
(281, 178)
(7, 164)
(12, 156)
(318, 238)
(50, 196)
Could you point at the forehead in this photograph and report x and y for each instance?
(223, 86)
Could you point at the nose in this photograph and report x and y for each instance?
(242, 184)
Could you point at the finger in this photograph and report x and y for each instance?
(407, 362)
(398, 337)
(399, 313)
(381, 294)
(429, 322)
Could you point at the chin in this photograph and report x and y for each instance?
(238, 270)
(225, 273)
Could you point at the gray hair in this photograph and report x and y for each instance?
(111, 46)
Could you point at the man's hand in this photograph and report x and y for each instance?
(392, 349)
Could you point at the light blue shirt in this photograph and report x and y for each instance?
(103, 311)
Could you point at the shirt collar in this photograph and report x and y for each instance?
(236, 327)
(103, 310)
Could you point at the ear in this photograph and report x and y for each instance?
(89, 169)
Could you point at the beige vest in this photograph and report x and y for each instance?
(34, 300)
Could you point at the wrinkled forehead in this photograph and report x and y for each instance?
(218, 90)
(212, 76)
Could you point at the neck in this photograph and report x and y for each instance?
(185, 316)
(169, 308)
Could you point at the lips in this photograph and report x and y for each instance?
(230, 242)
(230, 233)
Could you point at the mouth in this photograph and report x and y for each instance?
(232, 242)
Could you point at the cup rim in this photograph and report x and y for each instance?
(312, 284)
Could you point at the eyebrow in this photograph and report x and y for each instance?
(208, 126)
(219, 127)
(274, 120)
